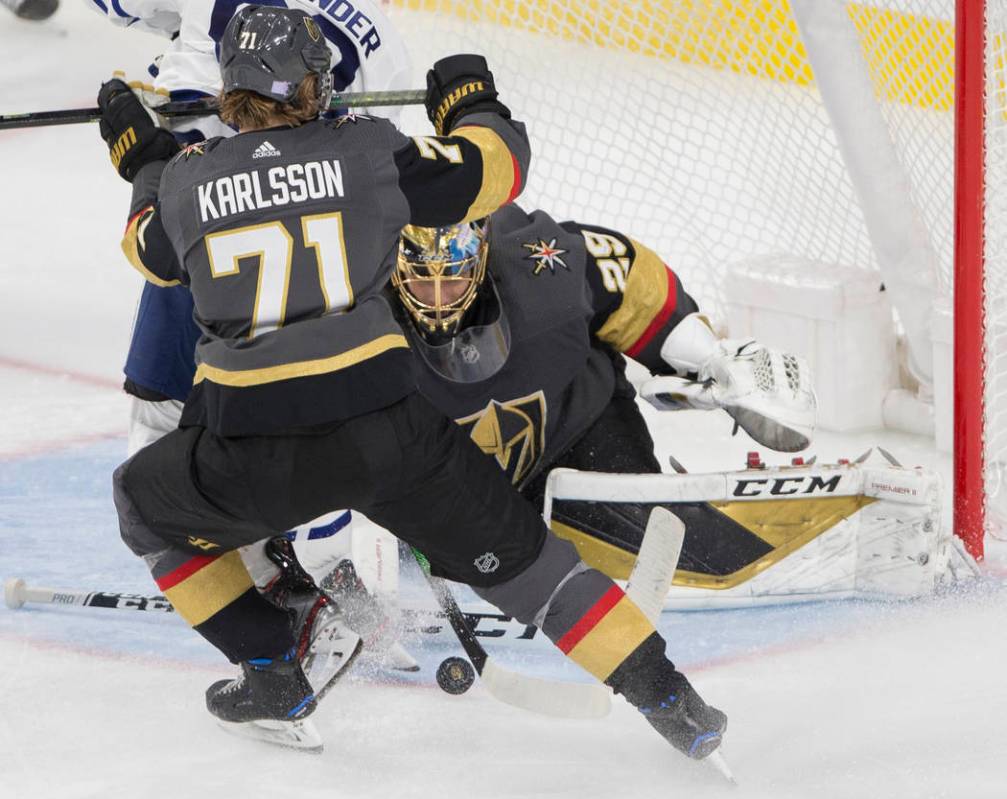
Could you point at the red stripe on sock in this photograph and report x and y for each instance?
(183, 572)
(670, 303)
(588, 621)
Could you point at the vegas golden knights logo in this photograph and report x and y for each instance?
(513, 432)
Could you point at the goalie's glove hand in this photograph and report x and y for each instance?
(768, 393)
(693, 727)
(129, 131)
(460, 85)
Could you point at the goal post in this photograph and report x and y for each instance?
(970, 317)
(863, 138)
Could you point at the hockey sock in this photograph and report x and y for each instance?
(215, 595)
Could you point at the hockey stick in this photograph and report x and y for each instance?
(656, 562)
(549, 697)
(16, 593)
(190, 108)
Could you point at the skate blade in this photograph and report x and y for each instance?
(300, 735)
(398, 659)
(329, 658)
(716, 760)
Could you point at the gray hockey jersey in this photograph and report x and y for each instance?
(286, 237)
(574, 296)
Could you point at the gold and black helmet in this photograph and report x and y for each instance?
(439, 272)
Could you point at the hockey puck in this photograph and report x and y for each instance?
(455, 675)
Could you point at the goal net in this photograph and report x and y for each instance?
(721, 130)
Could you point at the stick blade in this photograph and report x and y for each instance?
(656, 563)
(568, 700)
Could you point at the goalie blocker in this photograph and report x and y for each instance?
(785, 534)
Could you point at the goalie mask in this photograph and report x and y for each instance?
(458, 323)
(439, 272)
(270, 51)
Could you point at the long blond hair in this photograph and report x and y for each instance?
(245, 109)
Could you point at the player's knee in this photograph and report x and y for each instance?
(527, 595)
(134, 531)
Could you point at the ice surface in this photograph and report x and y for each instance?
(827, 700)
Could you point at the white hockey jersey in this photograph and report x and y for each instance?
(367, 52)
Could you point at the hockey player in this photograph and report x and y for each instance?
(519, 324)
(303, 398)
(367, 55)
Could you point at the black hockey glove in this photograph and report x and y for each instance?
(686, 721)
(459, 85)
(132, 137)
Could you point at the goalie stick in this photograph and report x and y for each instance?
(72, 116)
(656, 562)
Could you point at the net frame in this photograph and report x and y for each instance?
(970, 423)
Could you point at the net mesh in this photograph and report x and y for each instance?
(697, 127)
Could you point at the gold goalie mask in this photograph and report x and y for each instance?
(439, 276)
(439, 272)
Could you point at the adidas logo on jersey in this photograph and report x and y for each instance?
(265, 150)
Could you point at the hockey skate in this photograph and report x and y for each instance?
(270, 701)
(365, 614)
(693, 727)
(326, 645)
